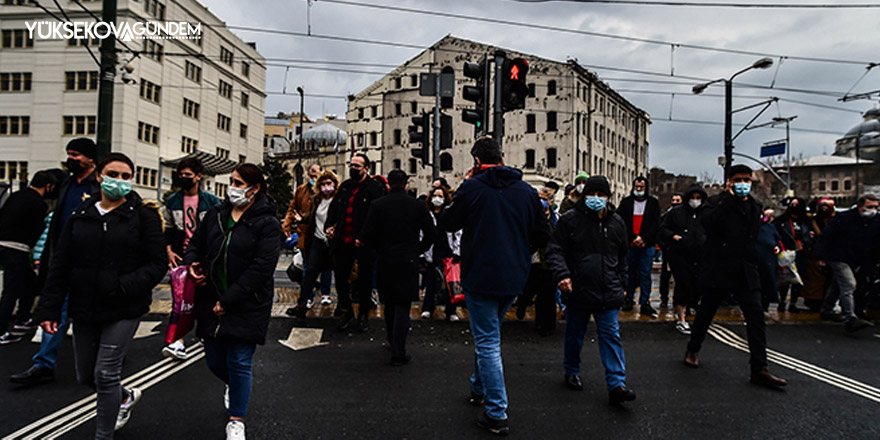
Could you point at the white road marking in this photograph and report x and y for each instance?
(862, 389)
(303, 338)
(146, 329)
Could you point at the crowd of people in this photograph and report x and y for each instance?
(95, 257)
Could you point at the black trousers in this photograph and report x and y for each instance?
(686, 275)
(19, 285)
(397, 323)
(541, 287)
(344, 258)
(665, 276)
(318, 260)
(750, 304)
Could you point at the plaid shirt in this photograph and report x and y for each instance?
(348, 223)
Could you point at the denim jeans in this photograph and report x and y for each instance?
(844, 276)
(610, 347)
(486, 313)
(232, 362)
(49, 345)
(639, 261)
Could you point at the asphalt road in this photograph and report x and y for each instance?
(345, 389)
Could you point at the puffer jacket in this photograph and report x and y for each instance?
(685, 222)
(109, 264)
(251, 256)
(592, 253)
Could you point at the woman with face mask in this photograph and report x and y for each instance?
(110, 256)
(232, 258)
(445, 246)
(817, 280)
(316, 246)
(769, 245)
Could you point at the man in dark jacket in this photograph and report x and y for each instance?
(21, 223)
(665, 273)
(393, 226)
(641, 213)
(846, 245)
(345, 219)
(793, 230)
(683, 238)
(503, 223)
(82, 154)
(587, 256)
(730, 263)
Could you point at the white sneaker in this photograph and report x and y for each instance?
(325, 300)
(310, 303)
(454, 317)
(126, 407)
(683, 327)
(426, 315)
(174, 351)
(235, 430)
(226, 398)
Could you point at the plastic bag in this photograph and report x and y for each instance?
(295, 270)
(787, 273)
(183, 294)
(452, 274)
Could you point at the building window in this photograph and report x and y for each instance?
(373, 138)
(16, 39)
(413, 166)
(151, 92)
(155, 9)
(245, 99)
(78, 125)
(15, 82)
(360, 139)
(530, 159)
(414, 107)
(83, 81)
(225, 89)
(414, 80)
(847, 185)
(245, 69)
(822, 185)
(226, 55)
(531, 90)
(153, 50)
(220, 190)
(445, 162)
(397, 137)
(360, 113)
(396, 163)
(397, 109)
(191, 108)
(193, 72)
(222, 153)
(242, 130)
(15, 125)
(223, 122)
(83, 42)
(242, 158)
(551, 158)
(397, 83)
(551, 87)
(551, 121)
(374, 111)
(530, 123)
(835, 185)
(188, 145)
(148, 133)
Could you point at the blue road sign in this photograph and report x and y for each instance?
(773, 149)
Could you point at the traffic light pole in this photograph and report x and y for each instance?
(728, 127)
(435, 157)
(498, 111)
(108, 77)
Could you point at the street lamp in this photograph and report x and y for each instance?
(299, 169)
(762, 63)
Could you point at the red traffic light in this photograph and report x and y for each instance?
(517, 69)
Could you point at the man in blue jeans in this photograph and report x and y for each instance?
(587, 256)
(82, 153)
(503, 224)
(641, 213)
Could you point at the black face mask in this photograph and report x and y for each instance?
(185, 182)
(74, 166)
(355, 173)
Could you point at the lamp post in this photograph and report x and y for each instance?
(299, 169)
(762, 63)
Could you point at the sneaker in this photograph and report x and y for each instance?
(621, 394)
(134, 395)
(495, 426)
(363, 323)
(310, 303)
(235, 430)
(426, 315)
(175, 351)
(854, 325)
(647, 310)
(226, 398)
(477, 399)
(683, 327)
(325, 300)
(9, 338)
(453, 317)
(25, 326)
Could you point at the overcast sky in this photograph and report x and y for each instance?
(676, 146)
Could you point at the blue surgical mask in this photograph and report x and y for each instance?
(545, 204)
(115, 189)
(595, 203)
(639, 193)
(311, 182)
(742, 189)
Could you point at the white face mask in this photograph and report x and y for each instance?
(869, 213)
(580, 188)
(695, 203)
(238, 196)
(437, 201)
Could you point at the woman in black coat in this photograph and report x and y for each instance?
(108, 259)
(232, 256)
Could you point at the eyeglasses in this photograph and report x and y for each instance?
(117, 175)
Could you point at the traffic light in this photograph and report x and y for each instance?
(420, 133)
(514, 89)
(445, 131)
(479, 94)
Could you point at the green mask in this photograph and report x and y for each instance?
(115, 189)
